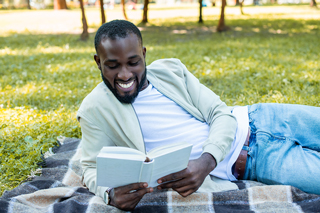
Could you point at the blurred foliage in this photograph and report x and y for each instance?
(43, 78)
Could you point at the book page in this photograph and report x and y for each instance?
(120, 150)
(170, 162)
(121, 153)
(129, 156)
(119, 166)
(163, 150)
(113, 172)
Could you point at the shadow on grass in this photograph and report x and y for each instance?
(46, 71)
(239, 27)
(31, 41)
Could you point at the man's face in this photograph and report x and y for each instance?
(122, 65)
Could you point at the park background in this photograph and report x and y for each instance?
(270, 53)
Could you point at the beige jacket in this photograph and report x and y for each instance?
(107, 122)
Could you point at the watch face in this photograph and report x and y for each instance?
(107, 192)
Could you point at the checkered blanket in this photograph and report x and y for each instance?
(59, 189)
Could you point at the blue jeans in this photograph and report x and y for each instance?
(285, 145)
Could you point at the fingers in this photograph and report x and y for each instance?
(173, 177)
(184, 187)
(131, 187)
(190, 179)
(174, 184)
(127, 197)
(186, 181)
(133, 198)
(141, 192)
(186, 193)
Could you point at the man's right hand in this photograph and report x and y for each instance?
(127, 197)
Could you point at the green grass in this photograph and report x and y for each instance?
(43, 78)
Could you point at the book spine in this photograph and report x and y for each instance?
(146, 171)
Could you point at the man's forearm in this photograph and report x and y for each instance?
(209, 160)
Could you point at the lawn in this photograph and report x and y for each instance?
(44, 77)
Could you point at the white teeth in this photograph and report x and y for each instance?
(125, 86)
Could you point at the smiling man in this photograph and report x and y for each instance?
(122, 65)
(122, 111)
(144, 107)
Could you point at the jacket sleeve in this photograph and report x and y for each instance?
(93, 139)
(216, 113)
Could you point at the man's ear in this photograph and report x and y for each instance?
(144, 52)
(97, 60)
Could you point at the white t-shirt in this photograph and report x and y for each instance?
(163, 121)
(224, 168)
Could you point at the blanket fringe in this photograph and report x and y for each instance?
(32, 175)
(48, 153)
(35, 173)
(61, 139)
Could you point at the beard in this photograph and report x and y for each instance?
(127, 98)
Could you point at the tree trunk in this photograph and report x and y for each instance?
(124, 9)
(103, 16)
(28, 6)
(313, 3)
(145, 11)
(221, 26)
(59, 4)
(237, 2)
(84, 35)
(241, 7)
(200, 12)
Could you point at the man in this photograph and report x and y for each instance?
(145, 107)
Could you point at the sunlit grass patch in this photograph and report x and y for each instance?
(24, 133)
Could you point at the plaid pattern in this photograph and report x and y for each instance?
(59, 189)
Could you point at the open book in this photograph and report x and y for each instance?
(119, 166)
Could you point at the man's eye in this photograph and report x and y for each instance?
(133, 63)
(112, 67)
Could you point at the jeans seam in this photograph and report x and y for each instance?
(253, 174)
(275, 136)
(250, 114)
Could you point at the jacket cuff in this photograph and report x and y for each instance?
(101, 192)
(214, 151)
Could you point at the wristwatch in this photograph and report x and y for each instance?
(107, 192)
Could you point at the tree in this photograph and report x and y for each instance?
(59, 4)
(313, 3)
(221, 25)
(241, 8)
(103, 17)
(200, 12)
(124, 9)
(28, 4)
(84, 34)
(145, 11)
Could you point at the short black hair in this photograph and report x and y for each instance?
(116, 29)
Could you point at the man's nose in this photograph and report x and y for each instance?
(125, 74)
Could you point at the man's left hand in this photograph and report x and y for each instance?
(190, 179)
